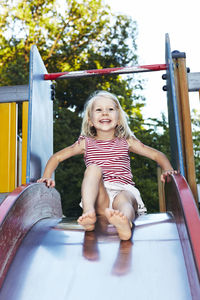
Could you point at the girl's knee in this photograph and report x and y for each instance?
(123, 198)
(93, 169)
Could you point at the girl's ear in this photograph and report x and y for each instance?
(90, 122)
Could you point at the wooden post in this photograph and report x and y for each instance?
(161, 192)
(185, 120)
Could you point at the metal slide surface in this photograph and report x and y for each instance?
(62, 262)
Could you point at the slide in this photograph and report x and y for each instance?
(46, 257)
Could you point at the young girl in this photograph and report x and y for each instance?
(107, 187)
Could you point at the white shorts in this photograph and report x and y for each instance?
(114, 188)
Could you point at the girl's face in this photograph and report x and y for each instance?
(104, 116)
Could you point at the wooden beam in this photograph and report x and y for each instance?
(161, 192)
(193, 81)
(15, 93)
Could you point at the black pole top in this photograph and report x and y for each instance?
(178, 54)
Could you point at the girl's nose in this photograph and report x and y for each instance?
(105, 111)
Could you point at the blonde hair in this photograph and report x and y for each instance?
(122, 130)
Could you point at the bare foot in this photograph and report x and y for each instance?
(120, 221)
(87, 220)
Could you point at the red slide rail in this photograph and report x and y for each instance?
(106, 71)
(22, 208)
(180, 202)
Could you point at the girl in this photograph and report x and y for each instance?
(107, 187)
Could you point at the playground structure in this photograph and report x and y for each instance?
(24, 206)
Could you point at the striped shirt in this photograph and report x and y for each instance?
(112, 156)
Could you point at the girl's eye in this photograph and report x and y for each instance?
(111, 108)
(98, 109)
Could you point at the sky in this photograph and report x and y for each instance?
(181, 20)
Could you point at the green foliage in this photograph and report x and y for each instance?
(61, 34)
(155, 134)
(79, 35)
(70, 172)
(196, 141)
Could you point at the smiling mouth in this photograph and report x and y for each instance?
(105, 121)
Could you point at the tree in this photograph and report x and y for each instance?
(155, 134)
(196, 141)
(103, 56)
(61, 34)
(82, 35)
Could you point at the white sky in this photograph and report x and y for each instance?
(179, 18)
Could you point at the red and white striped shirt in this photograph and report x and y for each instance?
(112, 156)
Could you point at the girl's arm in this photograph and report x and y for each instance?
(55, 159)
(139, 148)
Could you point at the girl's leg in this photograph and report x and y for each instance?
(94, 196)
(122, 214)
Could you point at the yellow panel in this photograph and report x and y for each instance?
(24, 139)
(8, 142)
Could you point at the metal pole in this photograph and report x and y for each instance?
(107, 71)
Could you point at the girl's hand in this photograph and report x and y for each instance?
(165, 174)
(49, 182)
